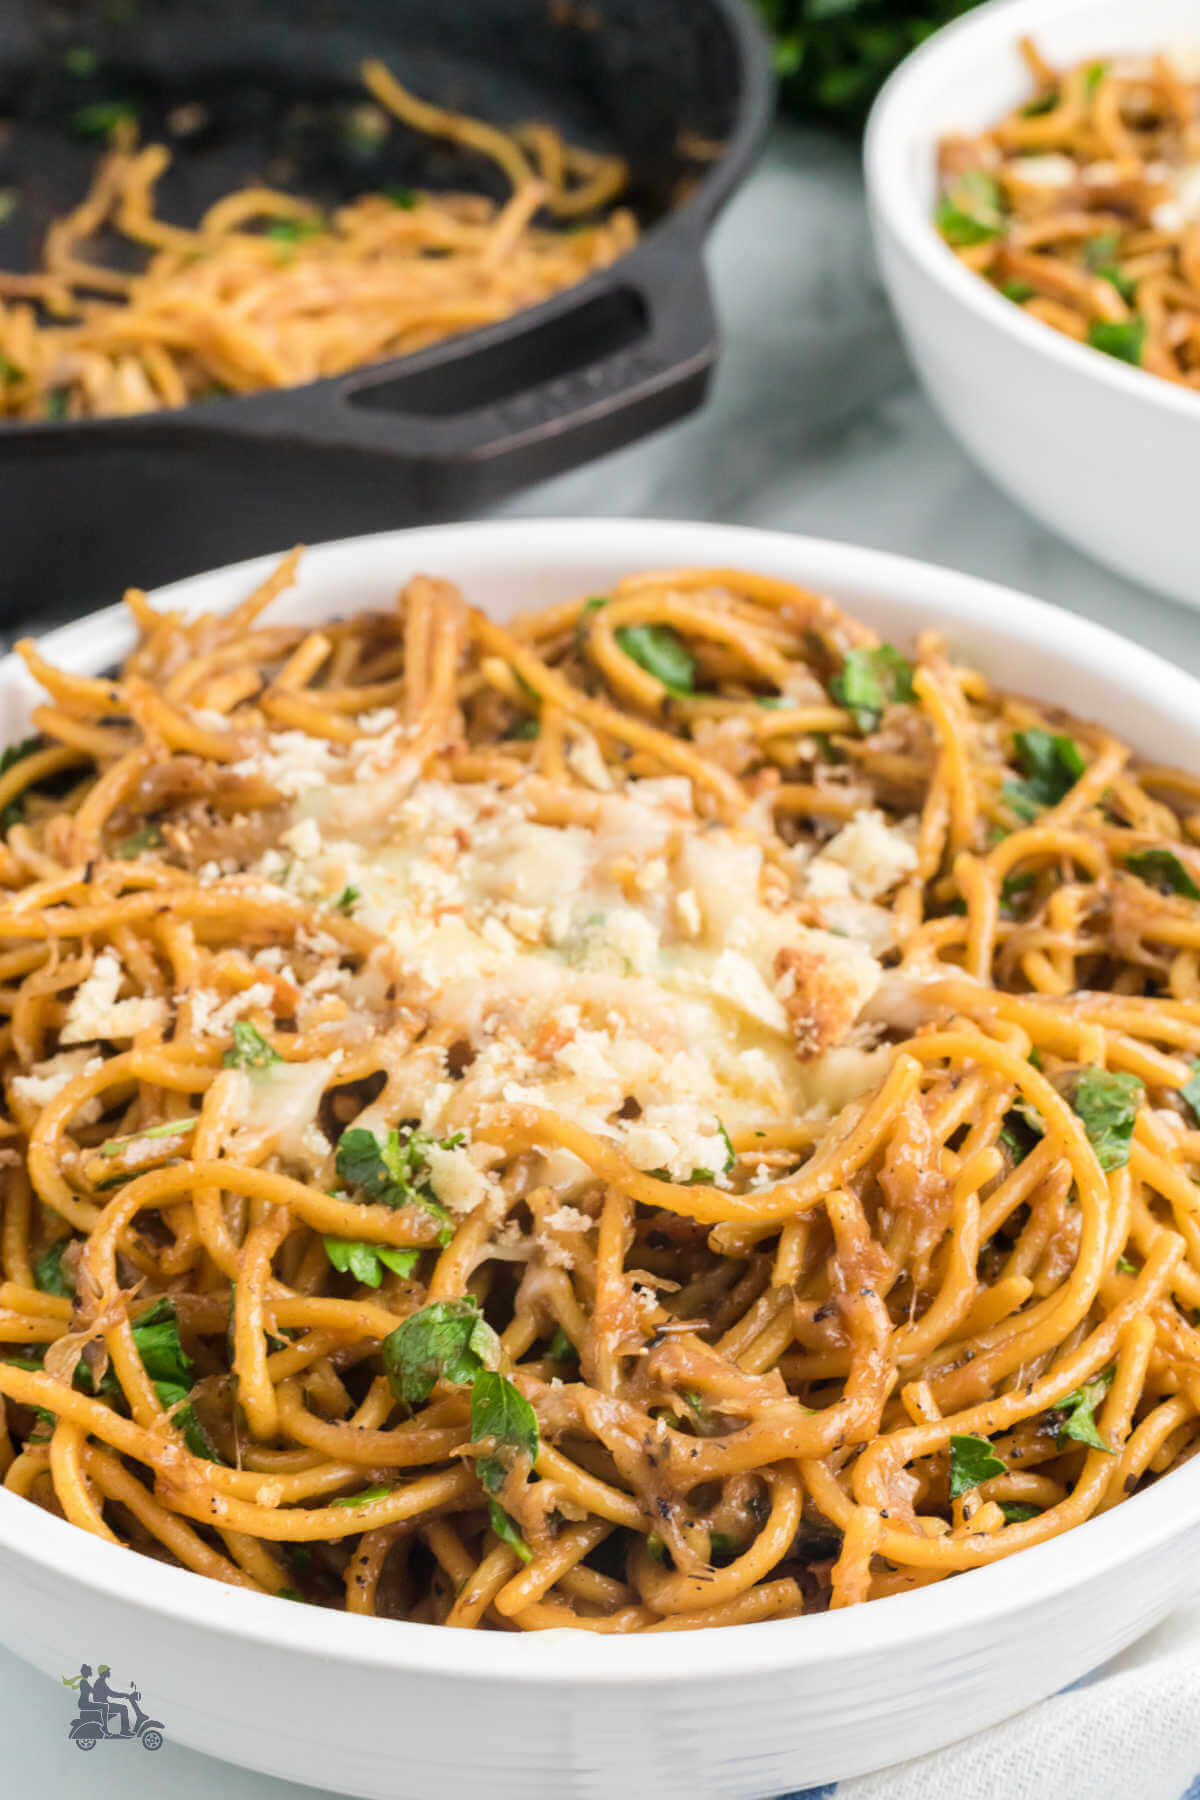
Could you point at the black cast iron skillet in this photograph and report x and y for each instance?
(254, 88)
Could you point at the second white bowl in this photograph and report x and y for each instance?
(1102, 453)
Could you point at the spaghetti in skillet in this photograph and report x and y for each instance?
(267, 291)
(669, 1113)
(1082, 205)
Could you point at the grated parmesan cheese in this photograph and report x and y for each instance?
(95, 1012)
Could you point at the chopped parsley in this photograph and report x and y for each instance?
(167, 1363)
(10, 373)
(562, 1350)
(392, 1171)
(506, 1530)
(58, 403)
(1078, 1413)
(869, 681)
(1017, 1511)
(294, 231)
(590, 605)
(1100, 255)
(1189, 1093)
(363, 1499)
(972, 211)
(1013, 886)
(662, 653)
(500, 1412)
(1018, 291)
(250, 1049)
(48, 1273)
(1052, 764)
(15, 753)
(1095, 75)
(170, 1128)
(972, 1460)
(405, 198)
(1107, 1104)
(347, 900)
(1161, 868)
(1123, 338)
(448, 1341)
(451, 1341)
(366, 1262)
(148, 837)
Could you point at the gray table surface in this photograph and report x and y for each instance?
(815, 424)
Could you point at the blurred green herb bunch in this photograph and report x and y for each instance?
(833, 56)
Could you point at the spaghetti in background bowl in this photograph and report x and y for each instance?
(1098, 450)
(383, 1707)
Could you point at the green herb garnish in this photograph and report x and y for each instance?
(392, 1171)
(869, 681)
(1017, 1511)
(15, 753)
(1123, 338)
(972, 1460)
(1018, 291)
(1161, 868)
(363, 1499)
(294, 231)
(1013, 886)
(662, 653)
(448, 1341)
(405, 198)
(561, 1349)
(1107, 1105)
(171, 1128)
(1052, 764)
(500, 1412)
(347, 900)
(506, 1530)
(1189, 1093)
(972, 211)
(149, 837)
(48, 1272)
(250, 1049)
(366, 1262)
(1079, 1407)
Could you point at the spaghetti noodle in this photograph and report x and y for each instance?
(268, 292)
(665, 1114)
(1081, 206)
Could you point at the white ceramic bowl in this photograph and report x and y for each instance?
(1102, 453)
(375, 1708)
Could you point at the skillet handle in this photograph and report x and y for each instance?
(622, 353)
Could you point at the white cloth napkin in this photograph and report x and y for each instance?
(1128, 1731)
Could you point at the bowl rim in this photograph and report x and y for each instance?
(896, 207)
(986, 1597)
